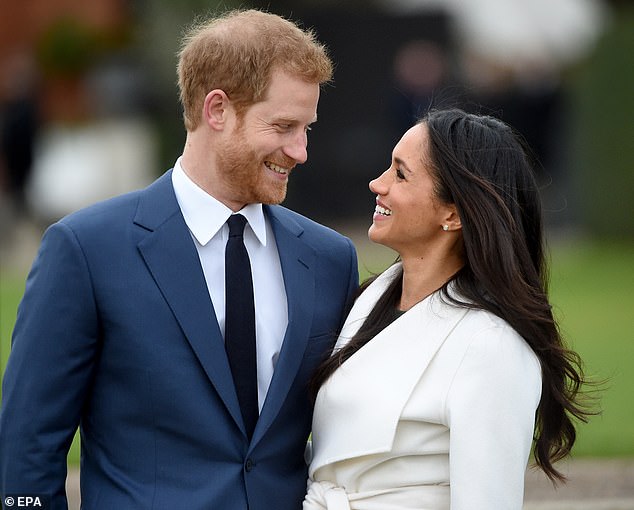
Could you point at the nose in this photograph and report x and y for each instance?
(297, 148)
(379, 185)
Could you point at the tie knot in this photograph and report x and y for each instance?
(236, 224)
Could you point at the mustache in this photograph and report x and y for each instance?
(284, 162)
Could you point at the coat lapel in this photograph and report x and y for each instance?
(298, 269)
(364, 303)
(171, 257)
(384, 371)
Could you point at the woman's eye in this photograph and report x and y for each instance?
(399, 173)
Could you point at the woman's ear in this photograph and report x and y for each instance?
(452, 219)
(215, 109)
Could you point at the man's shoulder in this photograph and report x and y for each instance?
(103, 212)
(307, 225)
(112, 210)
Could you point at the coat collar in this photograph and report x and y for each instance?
(387, 368)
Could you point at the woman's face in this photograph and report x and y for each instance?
(408, 217)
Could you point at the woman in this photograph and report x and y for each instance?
(450, 366)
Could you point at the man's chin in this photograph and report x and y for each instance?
(274, 198)
(273, 202)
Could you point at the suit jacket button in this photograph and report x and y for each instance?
(248, 465)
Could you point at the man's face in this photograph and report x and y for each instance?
(255, 159)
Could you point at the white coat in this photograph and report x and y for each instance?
(435, 412)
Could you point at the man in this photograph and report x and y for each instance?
(121, 329)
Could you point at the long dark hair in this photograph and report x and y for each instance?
(485, 168)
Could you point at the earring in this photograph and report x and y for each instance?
(445, 227)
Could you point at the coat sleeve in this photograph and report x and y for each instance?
(490, 410)
(54, 344)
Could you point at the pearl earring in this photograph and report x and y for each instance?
(445, 227)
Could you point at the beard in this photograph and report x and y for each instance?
(244, 175)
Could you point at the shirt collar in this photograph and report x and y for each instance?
(205, 215)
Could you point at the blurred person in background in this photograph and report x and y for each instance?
(122, 327)
(450, 365)
(421, 78)
(19, 122)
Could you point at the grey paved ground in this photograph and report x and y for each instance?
(606, 484)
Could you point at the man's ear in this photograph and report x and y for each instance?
(216, 108)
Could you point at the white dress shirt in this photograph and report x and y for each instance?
(206, 219)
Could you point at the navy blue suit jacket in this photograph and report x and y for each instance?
(116, 333)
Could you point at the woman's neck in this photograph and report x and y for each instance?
(423, 276)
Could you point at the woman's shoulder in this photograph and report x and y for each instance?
(491, 344)
(486, 328)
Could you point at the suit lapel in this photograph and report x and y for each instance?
(171, 257)
(297, 261)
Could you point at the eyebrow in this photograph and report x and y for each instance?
(402, 163)
(288, 120)
(312, 121)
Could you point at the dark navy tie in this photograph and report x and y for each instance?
(240, 322)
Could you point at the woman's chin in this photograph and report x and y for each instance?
(375, 236)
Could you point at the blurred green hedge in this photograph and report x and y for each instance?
(602, 92)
